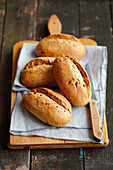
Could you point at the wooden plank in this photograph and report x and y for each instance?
(2, 18)
(111, 11)
(67, 13)
(19, 25)
(14, 159)
(96, 24)
(57, 159)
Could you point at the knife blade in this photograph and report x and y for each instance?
(95, 118)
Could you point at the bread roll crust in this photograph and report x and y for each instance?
(73, 80)
(60, 45)
(48, 106)
(38, 72)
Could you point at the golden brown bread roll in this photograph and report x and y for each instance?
(48, 106)
(38, 72)
(60, 45)
(72, 80)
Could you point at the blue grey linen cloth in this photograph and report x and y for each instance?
(79, 128)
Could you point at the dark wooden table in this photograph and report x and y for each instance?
(27, 20)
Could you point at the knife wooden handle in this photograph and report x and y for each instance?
(95, 119)
(54, 25)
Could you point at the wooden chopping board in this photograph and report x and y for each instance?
(34, 142)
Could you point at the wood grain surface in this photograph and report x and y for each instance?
(99, 28)
(16, 23)
(27, 20)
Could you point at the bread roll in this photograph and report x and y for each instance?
(48, 106)
(73, 80)
(60, 45)
(38, 72)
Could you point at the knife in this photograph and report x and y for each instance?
(95, 119)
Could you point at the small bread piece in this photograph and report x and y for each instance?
(38, 72)
(60, 45)
(73, 80)
(48, 106)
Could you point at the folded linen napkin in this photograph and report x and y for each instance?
(79, 128)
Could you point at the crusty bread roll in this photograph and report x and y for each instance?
(48, 106)
(73, 80)
(60, 45)
(38, 72)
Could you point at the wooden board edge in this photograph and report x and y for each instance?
(106, 139)
(87, 41)
(58, 146)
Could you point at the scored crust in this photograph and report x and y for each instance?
(39, 61)
(48, 106)
(60, 45)
(57, 97)
(38, 72)
(73, 80)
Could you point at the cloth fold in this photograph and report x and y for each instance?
(79, 128)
